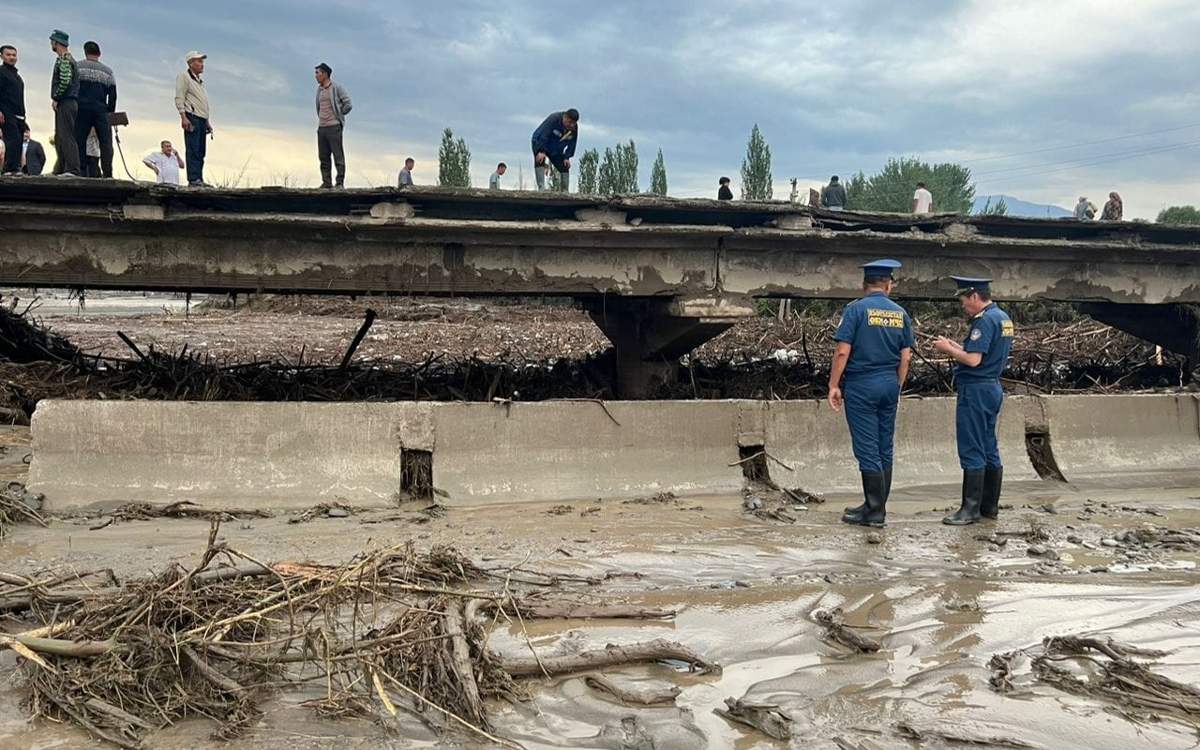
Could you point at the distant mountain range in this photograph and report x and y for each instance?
(1018, 207)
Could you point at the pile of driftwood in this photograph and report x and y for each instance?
(758, 359)
(1104, 669)
(391, 631)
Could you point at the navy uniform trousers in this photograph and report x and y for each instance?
(975, 420)
(871, 402)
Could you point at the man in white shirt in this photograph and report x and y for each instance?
(494, 180)
(922, 200)
(165, 163)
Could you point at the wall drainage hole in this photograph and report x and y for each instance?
(1041, 455)
(416, 474)
(753, 459)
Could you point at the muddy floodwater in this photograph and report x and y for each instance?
(940, 600)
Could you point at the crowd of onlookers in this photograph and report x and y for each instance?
(83, 96)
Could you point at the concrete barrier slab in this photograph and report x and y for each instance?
(556, 450)
(815, 441)
(1104, 435)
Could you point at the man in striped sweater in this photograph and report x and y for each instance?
(64, 98)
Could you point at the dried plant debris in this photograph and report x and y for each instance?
(324, 510)
(390, 629)
(18, 505)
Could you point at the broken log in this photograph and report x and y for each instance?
(766, 718)
(611, 655)
(629, 696)
(538, 610)
(837, 631)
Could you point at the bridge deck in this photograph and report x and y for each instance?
(122, 235)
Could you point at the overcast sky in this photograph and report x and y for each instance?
(835, 86)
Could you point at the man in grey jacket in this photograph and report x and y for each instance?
(333, 104)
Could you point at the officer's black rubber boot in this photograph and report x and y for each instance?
(992, 481)
(972, 497)
(855, 514)
(875, 505)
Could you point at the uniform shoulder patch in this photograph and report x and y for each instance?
(976, 334)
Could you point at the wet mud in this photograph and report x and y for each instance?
(941, 601)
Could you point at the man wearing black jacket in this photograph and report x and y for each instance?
(12, 109)
(97, 98)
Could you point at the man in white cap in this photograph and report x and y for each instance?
(191, 101)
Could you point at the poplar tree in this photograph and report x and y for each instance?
(658, 176)
(756, 168)
(454, 161)
(589, 163)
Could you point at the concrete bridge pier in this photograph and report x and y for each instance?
(650, 334)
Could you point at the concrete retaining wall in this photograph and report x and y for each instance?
(815, 442)
(298, 454)
(1107, 435)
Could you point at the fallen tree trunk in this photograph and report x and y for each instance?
(651, 697)
(611, 655)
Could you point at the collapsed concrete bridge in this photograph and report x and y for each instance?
(659, 276)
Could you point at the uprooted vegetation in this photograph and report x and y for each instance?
(1104, 669)
(390, 632)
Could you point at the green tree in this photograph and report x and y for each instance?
(756, 168)
(892, 188)
(658, 175)
(589, 163)
(454, 161)
(999, 208)
(1188, 215)
(618, 171)
(464, 163)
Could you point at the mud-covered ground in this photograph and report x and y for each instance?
(941, 601)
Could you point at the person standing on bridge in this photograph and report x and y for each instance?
(64, 98)
(333, 104)
(12, 109)
(405, 179)
(97, 100)
(191, 101)
(494, 180)
(979, 361)
(833, 195)
(724, 193)
(554, 143)
(874, 346)
(922, 202)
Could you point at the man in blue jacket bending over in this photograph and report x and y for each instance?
(554, 142)
(874, 346)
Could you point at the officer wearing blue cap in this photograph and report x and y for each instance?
(874, 345)
(979, 361)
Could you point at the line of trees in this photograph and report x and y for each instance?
(888, 190)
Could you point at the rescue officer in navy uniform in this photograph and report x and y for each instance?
(979, 361)
(874, 345)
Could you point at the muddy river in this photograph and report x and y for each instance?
(940, 600)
